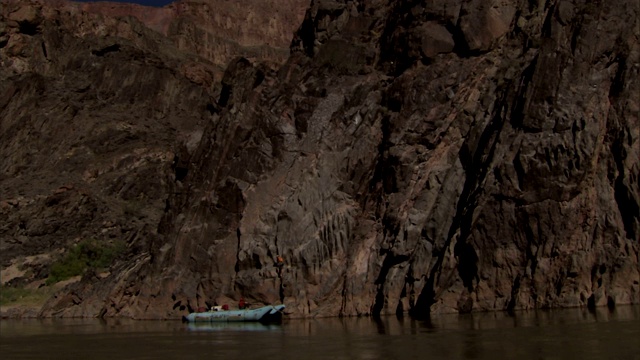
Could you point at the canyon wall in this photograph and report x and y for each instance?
(218, 30)
(409, 157)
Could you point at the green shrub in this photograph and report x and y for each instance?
(86, 254)
(11, 295)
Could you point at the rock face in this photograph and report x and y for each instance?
(219, 30)
(420, 157)
(93, 109)
(90, 110)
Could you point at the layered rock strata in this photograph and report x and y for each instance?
(219, 30)
(91, 111)
(410, 157)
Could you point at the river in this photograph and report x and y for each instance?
(552, 334)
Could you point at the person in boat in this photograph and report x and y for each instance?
(242, 304)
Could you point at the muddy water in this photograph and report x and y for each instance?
(558, 334)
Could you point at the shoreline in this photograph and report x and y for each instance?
(26, 311)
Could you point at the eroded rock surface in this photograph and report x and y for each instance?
(96, 101)
(397, 168)
(91, 112)
(219, 30)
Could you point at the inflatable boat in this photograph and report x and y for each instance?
(264, 314)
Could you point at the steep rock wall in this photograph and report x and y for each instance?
(95, 103)
(411, 156)
(218, 30)
(89, 118)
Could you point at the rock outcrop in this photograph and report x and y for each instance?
(90, 111)
(218, 30)
(409, 157)
(93, 108)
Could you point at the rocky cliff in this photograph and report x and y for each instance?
(93, 108)
(219, 30)
(409, 157)
(90, 109)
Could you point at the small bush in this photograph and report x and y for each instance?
(11, 295)
(86, 254)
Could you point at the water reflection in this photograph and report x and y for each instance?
(233, 326)
(549, 334)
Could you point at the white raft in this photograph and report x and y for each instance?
(264, 314)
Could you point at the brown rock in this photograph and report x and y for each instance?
(27, 16)
(565, 12)
(485, 23)
(218, 30)
(17, 45)
(501, 176)
(200, 74)
(436, 39)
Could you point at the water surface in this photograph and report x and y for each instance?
(557, 334)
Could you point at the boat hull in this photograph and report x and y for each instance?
(263, 314)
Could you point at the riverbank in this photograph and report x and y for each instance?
(25, 302)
